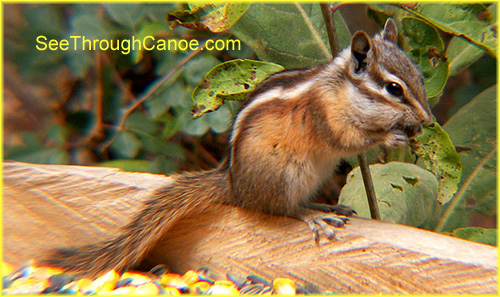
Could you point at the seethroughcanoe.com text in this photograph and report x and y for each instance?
(127, 45)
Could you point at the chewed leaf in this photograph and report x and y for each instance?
(440, 157)
(427, 50)
(474, 22)
(231, 80)
(406, 194)
(208, 16)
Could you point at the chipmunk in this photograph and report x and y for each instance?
(285, 142)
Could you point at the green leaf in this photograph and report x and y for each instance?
(220, 120)
(58, 134)
(31, 139)
(127, 165)
(34, 150)
(461, 54)
(157, 11)
(137, 121)
(439, 156)
(148, 29)
(162, 99)
(171, 125)
(481, 235)
(474, 22)
(38, 154)
(162, 165)
(208, 16)
(47, 19)
(231, 80)
(90, 26)
(155, 145)
(126, 14)
(22, 40)
(426, 48)
(271, 39)
(126, 145)
(406, 194)
(198, 67)
(196, 127)
(473, 129)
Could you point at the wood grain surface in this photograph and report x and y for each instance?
(48, 206)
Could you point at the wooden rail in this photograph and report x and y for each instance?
(48, 206)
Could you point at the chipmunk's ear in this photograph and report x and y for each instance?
(390, 32)
(361, 45)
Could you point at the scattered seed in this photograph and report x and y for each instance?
(284, 286)
(30, 279)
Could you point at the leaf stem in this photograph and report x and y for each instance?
(369, 188)
(330, 28)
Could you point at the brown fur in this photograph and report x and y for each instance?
(285, 143)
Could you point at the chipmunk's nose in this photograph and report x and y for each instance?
(426, 120)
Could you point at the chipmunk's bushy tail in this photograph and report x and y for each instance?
(187, 194)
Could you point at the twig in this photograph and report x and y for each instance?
(363, 163)
(100, 92)
(144, 97)
(330, 28)
(336, 7)
(370, 190)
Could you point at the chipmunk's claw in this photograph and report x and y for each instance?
(326, 223)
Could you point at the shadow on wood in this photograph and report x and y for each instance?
(47, 206)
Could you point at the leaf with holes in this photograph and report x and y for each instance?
(435, 149)
(473, 22)
(426, 48)
(208, 16)
(231, 80)
(406, 194)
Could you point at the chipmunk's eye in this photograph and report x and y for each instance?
(394, 89)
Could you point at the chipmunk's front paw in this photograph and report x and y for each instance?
(339, 209)
(325, 222)
(396, 138)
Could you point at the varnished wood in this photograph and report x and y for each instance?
(47, 206)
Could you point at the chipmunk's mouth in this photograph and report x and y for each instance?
(412, 130)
